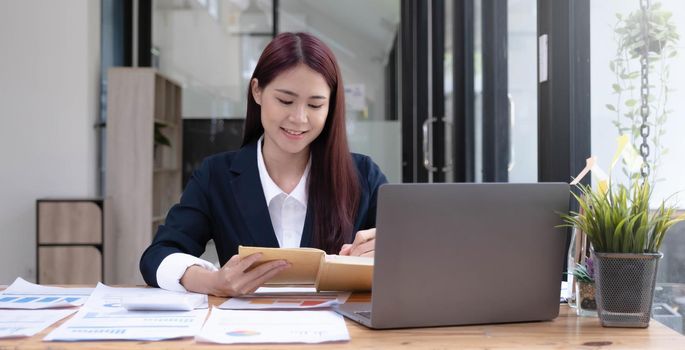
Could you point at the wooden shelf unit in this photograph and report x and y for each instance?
(143, 179)
(69, 240)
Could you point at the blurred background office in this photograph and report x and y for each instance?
(437, 91)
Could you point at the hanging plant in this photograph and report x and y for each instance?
(662, 37)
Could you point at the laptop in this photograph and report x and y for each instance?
(458, 254)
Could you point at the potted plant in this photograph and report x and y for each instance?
(625, 237)
(585, 288)
(159, 140)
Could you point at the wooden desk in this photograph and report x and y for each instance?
(565, 332)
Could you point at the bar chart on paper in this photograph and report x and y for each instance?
(25, 295)
(285, 298)
(104, 318)
(143, 325)
(283, 302)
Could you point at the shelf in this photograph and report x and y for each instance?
(70, 240)
(166, 170)
(137, 99)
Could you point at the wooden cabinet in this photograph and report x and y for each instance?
(70, 237)
(143, 177)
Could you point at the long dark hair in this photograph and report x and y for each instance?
(333, 181)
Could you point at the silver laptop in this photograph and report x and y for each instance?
(457, 254)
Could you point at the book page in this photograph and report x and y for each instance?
(305, 263)
(348, 273)
(351, 260)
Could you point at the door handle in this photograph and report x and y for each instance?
(512, 120)
(428, 144)
(449, 125)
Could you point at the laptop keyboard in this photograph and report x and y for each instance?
(365, 314)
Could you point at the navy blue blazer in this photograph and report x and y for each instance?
(224, 201)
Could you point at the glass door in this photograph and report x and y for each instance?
(470, 97)
(505, 90)
(422, 95)
(437, 91)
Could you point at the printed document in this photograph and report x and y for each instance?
(26, 323)
(259, 326)
(26, 295)
(103, 317)
(285, 298)
(105, 298)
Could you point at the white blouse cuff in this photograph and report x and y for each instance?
(173, 267)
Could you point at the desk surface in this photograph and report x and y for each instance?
(566, 331)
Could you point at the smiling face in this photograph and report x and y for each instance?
(294, 106)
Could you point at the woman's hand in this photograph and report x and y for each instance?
(363, 245)
(232, 279)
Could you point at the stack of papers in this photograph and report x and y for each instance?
(285, 298)
(103, 317)
(252, 326)
(259, 318)
(151, 314)
(26, 323)
(27, 302)
(26, 295)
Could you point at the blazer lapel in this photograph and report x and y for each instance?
(249, 195)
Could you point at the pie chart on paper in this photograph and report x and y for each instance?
(242, 333)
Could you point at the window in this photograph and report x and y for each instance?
(616, 105)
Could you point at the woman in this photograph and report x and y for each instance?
(293, 182)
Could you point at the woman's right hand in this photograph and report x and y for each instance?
(232, 279)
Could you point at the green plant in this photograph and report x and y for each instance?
(160, 138)
(619, 220)
(584, 272)
(661, 48)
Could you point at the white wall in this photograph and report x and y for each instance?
(49, 72)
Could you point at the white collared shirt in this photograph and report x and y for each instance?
(287, 213)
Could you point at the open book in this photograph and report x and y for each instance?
(313, 266)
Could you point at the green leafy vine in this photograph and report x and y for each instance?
(662, 41)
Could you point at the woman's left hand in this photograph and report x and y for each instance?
(364, 244)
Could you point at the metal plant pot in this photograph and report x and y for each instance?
(625, 288)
